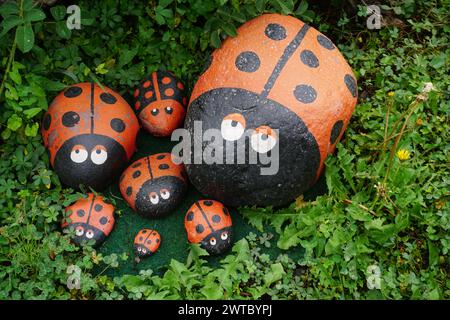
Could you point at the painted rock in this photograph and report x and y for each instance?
(90, 134)
(208, 222)
(146, 243)
(92, 218)
(160, 103)
(154, 185)
(284, 91)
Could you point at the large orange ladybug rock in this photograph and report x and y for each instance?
(146, 242)
(160, 103)
(90, 134)
(208, 223)
(92, 218)
(285, 88)
(154, 185)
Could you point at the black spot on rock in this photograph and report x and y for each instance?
(199, 228)
(137, 164)
(225, 211)
(275, 31)
(70, 119)
(129, 191)
(350, 82)
(108, 98)
(208, 203)
(117, 125)
(309, 59)
(247, 61)
(103, 220)
(216, 218)
(336, 131)
(305, 93)
(81, 213)
(190, 216)
(144, 231)
(161, 156)
(325, 42)
(98, 207)
(136, 174)
(47, 121)
(73, 92)
(163, 166)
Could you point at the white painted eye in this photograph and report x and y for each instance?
(165, 194)
(263, 139)
(89, 234)
(213, 241)
(232, 127)
(99, 155)
(144, 251)
(139, 249)
(78, 154)
(154, 198)
(224, 236)
(79, 231)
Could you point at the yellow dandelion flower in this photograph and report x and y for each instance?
(403, 154)
(391, 93)
(419, 122)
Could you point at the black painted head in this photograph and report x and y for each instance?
(159, 196)
(85, 233)
(141, 251)
(218, 241)
(242, 184)
(89, 159)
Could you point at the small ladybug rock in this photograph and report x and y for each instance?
(289, 89)
(154, 185)
(160, 103)
(92, 218)
(146, 243)
(208, 222)
(90, 134)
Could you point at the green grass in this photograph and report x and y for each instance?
(378, 211)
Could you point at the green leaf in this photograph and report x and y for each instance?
(127, 56)
(302, 7)
(25, 37)
(14, 122)
(30, 113)
(230, 30)
(9, 8)
(215, 39)
(58, 12)
(34, 15)
(31, 131)
(62, 30)
(276, 273)
(9, 23)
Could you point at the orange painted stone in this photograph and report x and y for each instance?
(146, 243)
(290, 88)
(90, 135)
(154, 185)
(160, 103)
(92, 218)
(208, 222)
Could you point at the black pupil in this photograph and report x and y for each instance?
(155, 112)
(98, 151)
(234, 123)
(77, 151)
(264, 136)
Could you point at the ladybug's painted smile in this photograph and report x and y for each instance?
(155, 198)
(96, 159)
(218, 241)
(234, 110)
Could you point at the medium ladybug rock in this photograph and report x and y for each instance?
(90, 134)
(208, 222)
(154, 185)
(146, 243)
(160, 103)
(290, 90)
(92, 218)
